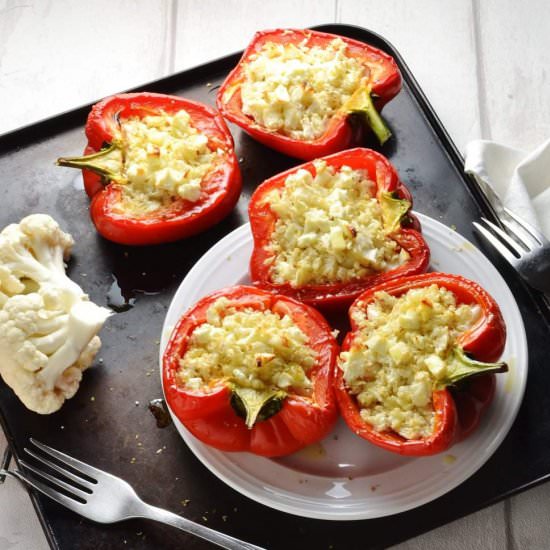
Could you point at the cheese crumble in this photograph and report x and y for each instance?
(402, 350)
(295, 89)
(247, 347)
(329, 228)
(164, 158)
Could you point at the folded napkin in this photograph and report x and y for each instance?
(520, 178)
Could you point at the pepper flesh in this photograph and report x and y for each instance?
(383, 84)
(338, 294)
(458, 410)
(220, 188)
(209, 415)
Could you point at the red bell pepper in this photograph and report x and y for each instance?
(469, 386)
(390, 191)
(382, 83)
(286, 421)
(102, 167)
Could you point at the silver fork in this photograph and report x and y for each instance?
(523, 246)
(105, 498)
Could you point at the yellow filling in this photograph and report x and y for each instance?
(330, 228)
(295, 89)
(249, 348)
(402, 349)
(162, 158)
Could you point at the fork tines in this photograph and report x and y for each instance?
(519, 239)
(82, 484)
(524, 247)
(529, 232)
(510, 251)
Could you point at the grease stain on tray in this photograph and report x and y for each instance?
(119, 300)
(159, 410)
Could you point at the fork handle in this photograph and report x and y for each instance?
(225, 541)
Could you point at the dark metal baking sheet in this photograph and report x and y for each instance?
(107, 422)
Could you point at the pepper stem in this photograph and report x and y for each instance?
(462, 367)
(107, 162)
(361, 102)
(393, 210)
(256, 405)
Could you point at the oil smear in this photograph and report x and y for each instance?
(510, 375)
(316, 451)
(449, 459)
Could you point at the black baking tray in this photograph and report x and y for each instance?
(108, 417)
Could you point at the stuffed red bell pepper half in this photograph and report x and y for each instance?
(296, 91)
(246, 370)
(416, 371)
(327, 230)
(157, 168)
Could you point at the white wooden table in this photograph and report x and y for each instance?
(485, 67)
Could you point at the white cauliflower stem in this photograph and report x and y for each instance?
(48, 326)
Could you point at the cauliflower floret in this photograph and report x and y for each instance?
(48, 325)
(33, 250)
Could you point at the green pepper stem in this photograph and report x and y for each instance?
(256, 405)
(393, 210)
(107, 162)
(462, 367)
(361, 103)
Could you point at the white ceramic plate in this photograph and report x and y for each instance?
(344, 477)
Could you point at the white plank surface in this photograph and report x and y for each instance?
(437, 42)
(19, 525)
(515, 70)
(528, 515)
(482, 531)
(483, 65)
(236, 23)
(57, 55)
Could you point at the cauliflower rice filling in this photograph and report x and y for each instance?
(163, 158)
(249, 348)
(402, 350)
(295, 89)
(329, 229)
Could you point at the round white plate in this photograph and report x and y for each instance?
(344, 477)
